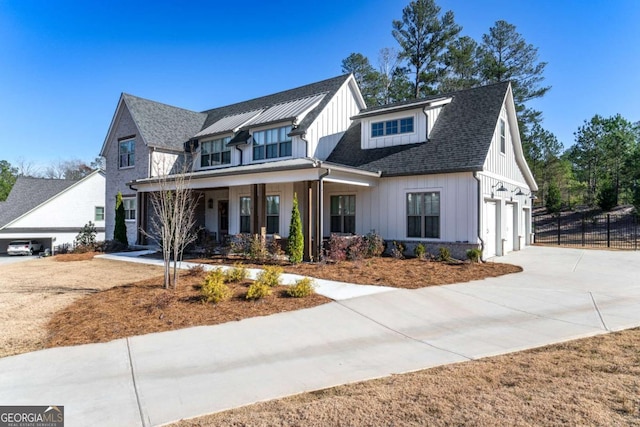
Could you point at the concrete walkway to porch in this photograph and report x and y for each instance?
(331, 289)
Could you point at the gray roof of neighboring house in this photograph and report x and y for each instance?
(458, 142)
(162, 125)
(28, 193)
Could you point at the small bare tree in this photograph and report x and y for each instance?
(173, 218)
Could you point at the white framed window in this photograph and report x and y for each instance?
(98, 213)
(245, 214)
(272, 143)
(392, 127)
(127, 153)
(129, 204)
(423, 215)
(215, 152)
(273, 214)
(343, 214)
(503, 136)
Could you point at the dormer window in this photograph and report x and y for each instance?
(127, 153)
(272, 143)
(215, 152)
(392, 127)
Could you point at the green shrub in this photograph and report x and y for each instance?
(258, 248)
(375, 244)
(607, 197)
(474, 255)
(87, 237)
(398, 250)
(236, 274)
(213, 289)
(554, 198)
(120, 229)
(295, 246)
(444, 254)
(270, 276)
(420, 251)
(303, 288)
(258, 290)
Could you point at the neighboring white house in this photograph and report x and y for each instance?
(446, 170)
(52, 211)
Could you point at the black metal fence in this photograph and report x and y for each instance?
(589, 230)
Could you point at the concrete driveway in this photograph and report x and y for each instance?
(563, 294)
(6, 259)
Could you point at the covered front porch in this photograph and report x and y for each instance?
(258, 198)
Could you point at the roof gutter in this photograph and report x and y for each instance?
(479, 222)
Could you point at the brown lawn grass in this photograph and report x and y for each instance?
(593, 381)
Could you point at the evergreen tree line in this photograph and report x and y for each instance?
(432, 56)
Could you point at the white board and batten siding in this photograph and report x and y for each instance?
(418, 135)
(424, 121)
(327, 129)
(504, 209)
(383, 208)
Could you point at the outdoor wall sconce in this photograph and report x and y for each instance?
(210, 203)
(501, 188)
(519, 193)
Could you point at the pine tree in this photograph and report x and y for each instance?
(295, 247)
(120, 230)
(423, 37)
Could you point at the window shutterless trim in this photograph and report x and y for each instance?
(393, 127)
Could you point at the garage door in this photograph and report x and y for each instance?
(489, 234)
(508, 228)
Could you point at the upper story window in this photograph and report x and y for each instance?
(392, 127)
(503, 136)
(272, 143)
(215, 152)
(127, 153)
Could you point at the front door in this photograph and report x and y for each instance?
(223, 219)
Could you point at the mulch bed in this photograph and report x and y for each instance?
(406, 273)
(146, 307)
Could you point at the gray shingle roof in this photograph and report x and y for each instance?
(28, 193)
(459, 141)
(162, 125)
(329, 86)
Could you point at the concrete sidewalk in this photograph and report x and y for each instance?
(158, 378)
(329, 288)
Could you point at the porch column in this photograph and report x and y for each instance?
(301, 190)
(259, 200)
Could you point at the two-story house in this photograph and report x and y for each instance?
(444, 170)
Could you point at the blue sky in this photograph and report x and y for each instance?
(63, 64)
